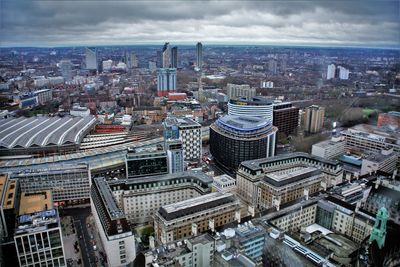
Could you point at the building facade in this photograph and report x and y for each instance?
(91, 58)
(329, 149)
(146, 161)
(199, 56)
(70, 184)
(236, 91)
(38, 238)
(166, 81)
(189, 132)
(250, 173)
(196, 215)
(114, 230)
(234, 139)
(285, 118)
(140, 198)
(289, 184)
(389, 120)
(314, 119)
(254, 107)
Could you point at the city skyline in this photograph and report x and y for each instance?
(298, 23)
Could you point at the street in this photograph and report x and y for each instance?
(79, 216)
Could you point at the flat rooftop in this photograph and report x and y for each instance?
(254, 101)
(194, 205)
(374, 131)
(181, 122)
(108, 198)
(256, 164)
(35, 202)
(244, 123)
(43, 131)
(290, 175)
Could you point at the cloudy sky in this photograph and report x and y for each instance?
(318, 22)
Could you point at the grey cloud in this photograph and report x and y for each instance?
(356, 22)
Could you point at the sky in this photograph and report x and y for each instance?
(365, 23)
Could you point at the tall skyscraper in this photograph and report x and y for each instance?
(166, 81)
(314, 118)
(330, 74)
(174, 57)
(66, 69)
(166, 56)
(199, 56)
(91, 58)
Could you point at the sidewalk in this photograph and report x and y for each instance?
(70, 241)
(95, 238)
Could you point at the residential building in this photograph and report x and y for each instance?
(234, 139)
(115, 232)
(343, 73)
(166, 56)
(329, 149)
(189, 132)
(330, 74)
(69, 184)
(166, 81)
(254, 107)
(38, 238)
(236, 91)
(196, 215)
(285, 118)
(314, 119)
(250, 173)
(140, 198)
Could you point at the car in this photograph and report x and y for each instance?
(94, 248)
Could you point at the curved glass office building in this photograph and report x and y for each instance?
(234, 139)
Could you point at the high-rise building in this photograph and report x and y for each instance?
(107, 65)
(174, 150)
(330, 74)
(91, 58)
(236, 91)
(273, 66)
(115, 232)
(189, 132)
(131, 60)
(254, 107)
(286, 118)
(166, 81)
(234, 139)
(343, 73)
(38, 238)
(66, 69)
(174, 57)
(314, 118)
(199, 56)
(9, 189)
(166, 56)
